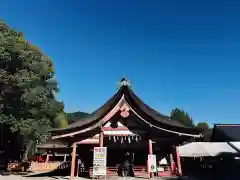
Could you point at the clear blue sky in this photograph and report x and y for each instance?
(176, 53)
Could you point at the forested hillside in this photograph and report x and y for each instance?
(76, 116)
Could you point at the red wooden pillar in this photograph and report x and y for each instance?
(101, 136)
(150, 149)
(73, 160)
(178, 162)
(172, 163)
(47, 158)
(150, 152)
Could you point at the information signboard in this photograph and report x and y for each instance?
(152, 163)
(100, 161)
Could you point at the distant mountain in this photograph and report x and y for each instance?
(76, 116)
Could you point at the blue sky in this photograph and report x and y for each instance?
(181, 54)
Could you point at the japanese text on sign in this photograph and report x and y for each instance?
(99, 161)
(152, 163)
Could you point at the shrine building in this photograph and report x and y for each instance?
(125, 124)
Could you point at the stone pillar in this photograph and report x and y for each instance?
(65, 158)
(73, 160)
(150, 152)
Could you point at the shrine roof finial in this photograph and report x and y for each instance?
(124, 82)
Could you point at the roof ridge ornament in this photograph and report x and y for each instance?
(124, 82)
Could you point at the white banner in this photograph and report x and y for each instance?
(152, 163)
(100, 161)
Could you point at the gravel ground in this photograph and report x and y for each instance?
(17, 177)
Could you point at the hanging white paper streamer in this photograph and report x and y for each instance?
(129, 139)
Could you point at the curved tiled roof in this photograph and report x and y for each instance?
(151, 116)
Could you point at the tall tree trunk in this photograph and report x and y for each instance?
(29, 147)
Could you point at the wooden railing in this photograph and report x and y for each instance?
(113, 171)
(165, 172)
(139, 170)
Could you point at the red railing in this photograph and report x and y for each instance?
(113, 171)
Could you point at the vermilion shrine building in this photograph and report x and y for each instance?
(126, 124)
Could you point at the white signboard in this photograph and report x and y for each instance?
(152, 163)
(100, 161)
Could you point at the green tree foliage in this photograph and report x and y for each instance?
(181, 116)
(184, 118)
(203, 126)
(60, 121)
(207, 132)
(76, 116)
(27, 87)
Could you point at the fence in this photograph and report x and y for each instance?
(40, 166)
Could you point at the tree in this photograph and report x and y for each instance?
(181, 116)
(207, 132)
(202, 125)
(60, 121)
(76, 116)
(27, 87)
(184, 118)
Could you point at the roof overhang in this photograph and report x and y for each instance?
(226, 132)
(122, 102)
